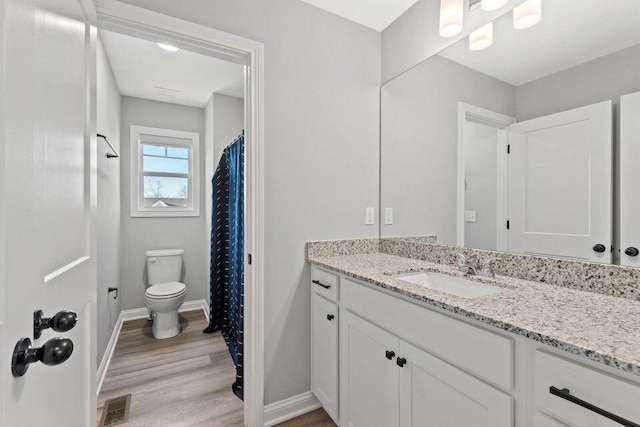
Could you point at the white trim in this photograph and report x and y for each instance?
(133, 314)
(500, 121)
(135, 21)
(287, 409)
(135, 164)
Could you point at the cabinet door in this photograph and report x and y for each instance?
(435, 394)
(540, 420)
(324, 353)
(368, 378)
(629, 178)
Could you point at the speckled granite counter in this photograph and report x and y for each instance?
(599, 327)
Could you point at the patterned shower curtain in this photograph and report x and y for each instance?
(227, 255)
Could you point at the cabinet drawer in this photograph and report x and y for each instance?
(541, 420)
(605, 391)
(324, 283)
(487, 355)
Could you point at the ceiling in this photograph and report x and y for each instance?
(376, 14)
(571, 32)
(144, 70)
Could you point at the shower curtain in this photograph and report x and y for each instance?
(227, 257)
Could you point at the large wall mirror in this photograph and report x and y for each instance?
(515, 147)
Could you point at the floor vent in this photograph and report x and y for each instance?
(116, 411)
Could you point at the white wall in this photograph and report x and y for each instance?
(414, 36)
(481, 179)
(419, 143)
(322, 134)
(108, 220)
(228, 122)
(140, 234)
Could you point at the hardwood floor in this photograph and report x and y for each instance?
(181, 381)
(317, 418)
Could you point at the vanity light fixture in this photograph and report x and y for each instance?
(451, 17)
(168, 47)
(481, 38)
(490, 5)
(527, 14)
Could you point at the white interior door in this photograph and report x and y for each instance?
(629, 179)
(48, 203)
(560, 184)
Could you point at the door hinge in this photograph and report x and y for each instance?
(508, 225)
(508, 148)
(249, 259)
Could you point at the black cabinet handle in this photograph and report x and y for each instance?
(631, 251)
(53, 352)
(330, 317)
(401, 361)
(390, 354)
(317, 282)
(62, 321)
(600, 248)
(565, 393)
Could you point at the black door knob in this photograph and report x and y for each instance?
(62, 321)
(53, 352)
(390, 354)
(631, 251)
(401, 361)
(600, 248)
(330, 317)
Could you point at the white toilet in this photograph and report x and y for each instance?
(165, 293)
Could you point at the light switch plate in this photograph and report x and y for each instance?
(388, 216)
(369, 216)
(470, 216)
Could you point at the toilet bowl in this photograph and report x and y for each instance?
(165, 293)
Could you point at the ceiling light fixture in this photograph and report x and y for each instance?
(451, 16)
(481, 38)
(527, 14)
(490, 5)
(168, 47)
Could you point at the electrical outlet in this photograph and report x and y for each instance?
(369, 216)
(471, 216)
(388, 216)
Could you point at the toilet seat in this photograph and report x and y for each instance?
(167, 290)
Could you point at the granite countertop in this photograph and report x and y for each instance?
(599, 327)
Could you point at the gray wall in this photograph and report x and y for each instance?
(322, 134)
(420, 143)
(108, 217)
(140, 234)
(228, 122)
(414, 36)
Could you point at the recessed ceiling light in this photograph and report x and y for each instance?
(168, 47)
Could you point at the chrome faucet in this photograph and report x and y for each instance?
(466, 265)
(486, 268)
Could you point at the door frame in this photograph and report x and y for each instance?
(134, 21)
(468, 112)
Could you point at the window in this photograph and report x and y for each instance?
(164, 172)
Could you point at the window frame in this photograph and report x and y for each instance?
(137, 175)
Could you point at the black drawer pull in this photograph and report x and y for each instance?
(565, 393)
(401, 361)
(389, 354)
(317, 282)
(330, 317)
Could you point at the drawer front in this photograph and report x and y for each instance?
(605, 391)
(487, 355)
(541, 420)
(325, 283)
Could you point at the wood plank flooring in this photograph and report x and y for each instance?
(183, 381)
(180, 381)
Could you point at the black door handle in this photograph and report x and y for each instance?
(401, 361)
(62, 321)
(600, 248)
(317, 282)
(390, 354)
(330, 317)
(53, 352)
(565, 393)
(631, 251)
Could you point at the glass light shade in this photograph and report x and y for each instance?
(527, 14)
(481, 38)
(451, 16)
(490, 5)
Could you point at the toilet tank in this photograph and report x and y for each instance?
(164, 265)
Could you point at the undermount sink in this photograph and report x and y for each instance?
(450, 284)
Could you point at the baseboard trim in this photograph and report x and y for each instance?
(284, 410)
(133, 314)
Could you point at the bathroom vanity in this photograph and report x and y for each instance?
(387, 352)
